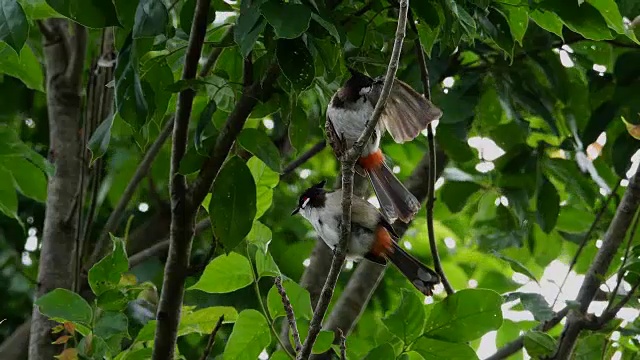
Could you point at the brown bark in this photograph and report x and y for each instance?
(64, 53)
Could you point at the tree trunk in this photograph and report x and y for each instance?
(64, 52)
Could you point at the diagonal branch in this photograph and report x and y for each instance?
(348, 163)
(304, 157)
(288, 309)
(182, 219)
(612, 240)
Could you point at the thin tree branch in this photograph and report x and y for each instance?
(343, 346)
(586, 238)
(514, 346)
(212, 339)
(182, 219)
(431, 180)
(348, 163)
(115, 218)
(304, 157)
(621, 271)
(612, 240)
(611, 312)
(291, 318)
(215, 53)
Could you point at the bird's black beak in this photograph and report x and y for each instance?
(295, 211)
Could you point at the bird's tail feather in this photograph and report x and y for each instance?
(395, 200)
(420, 276)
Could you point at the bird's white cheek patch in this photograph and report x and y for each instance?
(365, 90)
(304, 204)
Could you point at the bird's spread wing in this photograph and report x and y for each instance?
(406, 113)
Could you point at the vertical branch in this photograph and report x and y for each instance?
(612, 240)
(343, 346)
(288, 309)
(431, 178)
(182, 218)
(621, 271)
(348, 163)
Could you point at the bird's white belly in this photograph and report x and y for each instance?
(351, 123)
(329, 230)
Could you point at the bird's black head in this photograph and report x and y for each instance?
(313, 196)
(350, 91)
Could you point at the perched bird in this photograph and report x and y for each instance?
(372, 237)
(405, 115)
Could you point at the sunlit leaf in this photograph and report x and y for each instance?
(249, 337)
(224, 274)
(64, 305)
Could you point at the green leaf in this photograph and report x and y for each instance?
(428, 36)
(411, 355)
(265, 265)
(8, 195)
(407, 321)
(289, 20)
(455, 194)
(233, 203)
(298, 296)
(323, 342)
(515, 265)
(151, 19)
(518, 19)
(25, 67)
(203, 321)
(497, 27)
(535, 303)
(27, 178)
(539, 344)
(130, 96)
(583, 19)
(609, 11)
(225, 274)
(90, 13)
(298, 128)
(548, 205)
(259, 144)
(623, 148)
(205, 119)
(600, 118)
(296, 63)
(249, 26)
(547, 20)
(574, 220)
(249, 337)
(14, 27)
(384, 351)
(111, 324)
(64, 305)
(433, 349)
(38, 9)
(260, 236)
(157, 75)
(105, 274)
(466, 315)
(261, 173)
(590, 347)
(99, 141)
(327, 25)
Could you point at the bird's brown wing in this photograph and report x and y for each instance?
(407, 112)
